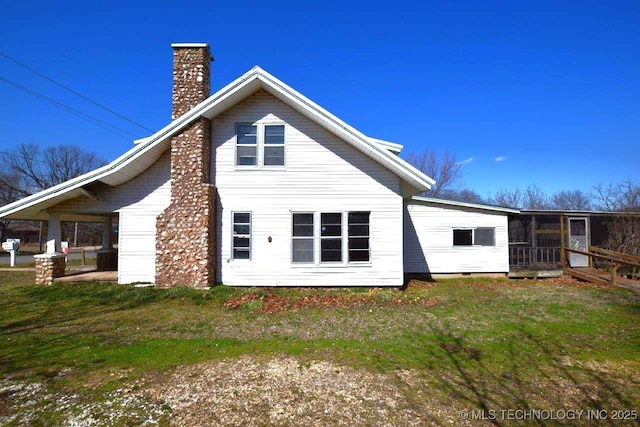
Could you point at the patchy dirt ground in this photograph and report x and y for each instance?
(238, 392)
(282, 392)
(285, 391)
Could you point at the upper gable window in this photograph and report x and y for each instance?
(260, 145)
(246, 145)
(274, 145)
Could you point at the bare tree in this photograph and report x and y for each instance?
(463, 195)
(508, 198)
(39, 169)
(444, 169)
(623, 196)
(531, 198)
(571, 200)
(28, 169)
(10, 185)
(535, 198)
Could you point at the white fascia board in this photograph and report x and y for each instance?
(189, 45)
(391, 146)
(452, 203)
(102, 173)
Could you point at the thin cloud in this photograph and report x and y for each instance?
(466, 161)
(500, 158)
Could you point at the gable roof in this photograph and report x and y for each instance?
(148, 150)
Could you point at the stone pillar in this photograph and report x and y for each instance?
(185, 231)
(48, 267)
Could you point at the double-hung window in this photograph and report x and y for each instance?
(331, 237)
(302, 238)
(267, 140)
(358, 223)
(273, 145)
(246, 145)
(242, 235)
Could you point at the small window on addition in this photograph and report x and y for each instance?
(462, 237)
(274, 145)
(242, 235)
(485, 236)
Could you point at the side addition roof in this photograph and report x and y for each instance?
(454, 204)
(148, 150)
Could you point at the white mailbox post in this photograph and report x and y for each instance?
(11, 246)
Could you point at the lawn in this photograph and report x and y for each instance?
(454, 352)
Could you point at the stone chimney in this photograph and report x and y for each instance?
(191, 76)
(186, 230)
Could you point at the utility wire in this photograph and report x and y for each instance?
(87, 117)
(74, 92)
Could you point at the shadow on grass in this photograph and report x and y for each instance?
(532, 375)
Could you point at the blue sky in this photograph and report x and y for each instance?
(544, 93)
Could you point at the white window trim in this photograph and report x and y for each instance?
(233, 258)
(368, 237)
(473, 237)
(312, 238)
(235, 144)
(283, 145)
(260, 145)
(317, 256)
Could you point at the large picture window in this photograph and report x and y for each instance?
(302, 238)
(358, 223)
(339, 238)
(246, 145)
(481, 236)
(242, 235)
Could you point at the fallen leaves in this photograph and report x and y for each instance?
(271, 302)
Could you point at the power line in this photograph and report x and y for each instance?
(78, 113)
(74, 92)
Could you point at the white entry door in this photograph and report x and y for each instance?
(578, 240)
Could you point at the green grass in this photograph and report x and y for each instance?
(480, 344)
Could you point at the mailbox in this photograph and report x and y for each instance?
(11, 246)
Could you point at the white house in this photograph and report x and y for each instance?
(256, 185)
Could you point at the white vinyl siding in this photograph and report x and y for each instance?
(429, 245)
(322, 174)
(138, 202)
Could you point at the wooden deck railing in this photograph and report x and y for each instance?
(603, 258)
(534, 257)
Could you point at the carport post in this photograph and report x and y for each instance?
(54, 234)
